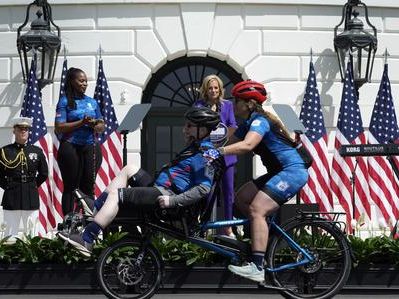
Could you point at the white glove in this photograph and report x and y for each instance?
(164, 201)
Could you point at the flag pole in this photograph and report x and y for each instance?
(64, 50)
(100, 50)
(386, 56)
(95, 135)
(311, 55)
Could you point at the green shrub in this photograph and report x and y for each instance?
(369, 252)
(53, 251)
(375, 251)
(177, 251)
(56, 251)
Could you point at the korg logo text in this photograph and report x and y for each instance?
(353, 149)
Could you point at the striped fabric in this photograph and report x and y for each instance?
(350, 171)
(384, 187)
(38, 135)
(317, 190)
(110, 140)
(57, 178)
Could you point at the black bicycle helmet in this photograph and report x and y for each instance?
(203, 117)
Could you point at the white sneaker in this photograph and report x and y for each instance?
(249, 271)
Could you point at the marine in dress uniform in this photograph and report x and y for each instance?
(23, 168)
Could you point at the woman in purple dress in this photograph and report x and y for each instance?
(212, 94)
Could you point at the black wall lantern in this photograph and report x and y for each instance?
(355, 43)
(39, 42)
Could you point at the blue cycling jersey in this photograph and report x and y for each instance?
(189, 172)
(85, 106)
(275, 153)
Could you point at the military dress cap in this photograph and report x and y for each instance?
(22, 121)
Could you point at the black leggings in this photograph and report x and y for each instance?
(76, 164)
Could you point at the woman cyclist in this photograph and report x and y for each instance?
(264, 135)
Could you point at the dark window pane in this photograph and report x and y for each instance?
(162, 139)
(177, 140)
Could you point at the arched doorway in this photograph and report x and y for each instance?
(171, 90)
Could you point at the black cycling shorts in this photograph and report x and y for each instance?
(142, 198)
(261, 181)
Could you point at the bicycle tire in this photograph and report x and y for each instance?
(320, 279)
(120, 277)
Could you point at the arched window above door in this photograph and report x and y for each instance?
(177, 83)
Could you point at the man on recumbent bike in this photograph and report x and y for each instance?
(182, 182)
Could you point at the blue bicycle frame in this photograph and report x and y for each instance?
(234, 255)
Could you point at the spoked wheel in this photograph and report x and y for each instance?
(124, 271)
(322, 278)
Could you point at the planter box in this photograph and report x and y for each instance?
(47, 277)
(83, 277)
(382, 277)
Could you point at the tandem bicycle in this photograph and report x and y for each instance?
(307, 257)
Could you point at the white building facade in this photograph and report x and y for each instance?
(268, 41)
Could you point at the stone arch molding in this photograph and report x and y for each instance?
(197, 30)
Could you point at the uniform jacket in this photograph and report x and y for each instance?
(20, 183)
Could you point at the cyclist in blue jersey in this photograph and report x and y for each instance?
(263, 134)
(182, 182)
(78, 119)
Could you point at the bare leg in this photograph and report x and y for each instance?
(244, 197)
(120, 181)
(261, 206)
(109, 210)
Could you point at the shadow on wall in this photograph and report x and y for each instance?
(326, 68)
(11, 97)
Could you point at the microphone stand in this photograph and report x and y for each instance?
(353, 181)
(297, 141)
(124, 155)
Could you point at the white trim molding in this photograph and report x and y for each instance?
(369, 3)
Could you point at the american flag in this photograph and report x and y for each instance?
(384, 188)
(110, 140)
(317, 190)
(58, 186)
(32, 107)
(350, 131)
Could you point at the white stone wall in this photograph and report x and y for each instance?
(264, 40)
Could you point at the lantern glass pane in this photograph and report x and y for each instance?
(343, 58)
(362, 63)
(43, 69)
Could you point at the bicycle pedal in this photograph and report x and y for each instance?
(264, 285)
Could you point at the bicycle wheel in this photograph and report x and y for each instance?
(320, 279)
(123, 272)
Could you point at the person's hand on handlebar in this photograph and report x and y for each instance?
(164, 201)
(212, 154)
